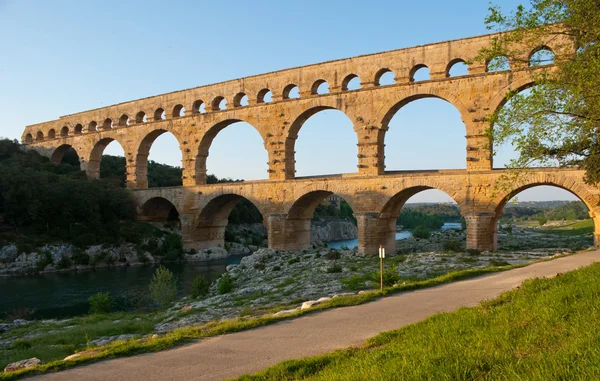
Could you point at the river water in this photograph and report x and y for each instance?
(60, 295)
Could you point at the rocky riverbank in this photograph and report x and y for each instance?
(271, 281)
(324, 231)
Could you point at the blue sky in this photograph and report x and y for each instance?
(61, 57)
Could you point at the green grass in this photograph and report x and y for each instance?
(52, 358)
(546, 330)
(578, 228)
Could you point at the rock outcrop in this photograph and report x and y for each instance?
(333, 230)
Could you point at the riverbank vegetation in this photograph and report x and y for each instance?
(545, 330)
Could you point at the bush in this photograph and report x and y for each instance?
(333, 254)
(276, 268)
(542, 221)
(335, 268)
(390, 276)
(421, 232)
(225, 285)
(473, 252)
(293, 260)
(45, 260)
(101, 303)
(163, 287)
(172, 247)
(452, 246)
(200, 286)
(64, 262)
(259, 266)
(81, 258)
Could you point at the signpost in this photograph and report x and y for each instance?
(381, 256)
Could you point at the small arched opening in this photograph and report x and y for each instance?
(108, 124)
(39, 136)
(28, 138)
(419, 73)
(160, 114)
(178, 111)
(264, 96)
(319, 87)
(218, 104)
(384, 77)
(351, 82)
(124, 120)
(78, 129)
(140, 117)
(240, 100)
(92, 126)
(541, 56)
(457, 68)
(498, 64)
(64, 132)
(198, 107)
(51, 133)
(291, 91)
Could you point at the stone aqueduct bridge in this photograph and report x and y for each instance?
(287, 203)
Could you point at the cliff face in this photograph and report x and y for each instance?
(335, 230)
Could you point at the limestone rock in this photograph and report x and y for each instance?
(23, 364)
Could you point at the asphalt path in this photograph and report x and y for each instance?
(232, 355)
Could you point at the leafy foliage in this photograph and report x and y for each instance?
(556, 122)
(225, 285)
(421, 232)
(200, 286)
(100, 303)
(163, 287)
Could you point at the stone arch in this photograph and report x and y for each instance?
(238, 99)
(303, 206)
(141, 158)
(288, 89)
(93, 168)
(415, 69)
(198, 107)
(64, 132)
(28, 138)
(140, 117)
(178, 111)
(78, 130)
(314, 89)
(502, 97)
(454, 62)
(124, 120)
(216, 103)
(347, 80)
(262, 95)
(159, 114)
(92, 126)
(207, 140)
(51, 133)
(39, 136)
(379, 74)
(541, 48)
(159, 209)
(569, 184)
(107, 125)
(59, 152)
(390, 110)
(208, 229)
(292, 136)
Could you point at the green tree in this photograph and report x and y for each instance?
(163, 287)
(100, 303)
(200, 286)
(557, 121)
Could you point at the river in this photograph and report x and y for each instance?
(60, 295)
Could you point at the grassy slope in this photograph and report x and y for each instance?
(577, 228)
(547, 330)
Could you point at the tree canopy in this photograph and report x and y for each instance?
(556, 122)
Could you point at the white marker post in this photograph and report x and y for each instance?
(381, 256)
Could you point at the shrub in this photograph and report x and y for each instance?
(101, 303)
(259, 266)
(335, 268)
(200, 286)
(45, 260)
(473, 252)
(542, 221)
(276, 268)
(293, 260)
(64, 262)
(225, 285)
(390, 276)
(421, 232)
(81, 258)
(172, 247)
(163, 286)
(333, 254)
(452, 246)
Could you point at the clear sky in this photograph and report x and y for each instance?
(64, 56)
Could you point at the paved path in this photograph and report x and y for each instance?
(235, 354)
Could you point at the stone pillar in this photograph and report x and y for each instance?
(370, 150)
(288, 234)
(200, 169)
(481, 231)
(188, 168)
(374, 231)
(595, 215)
(479, 146)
